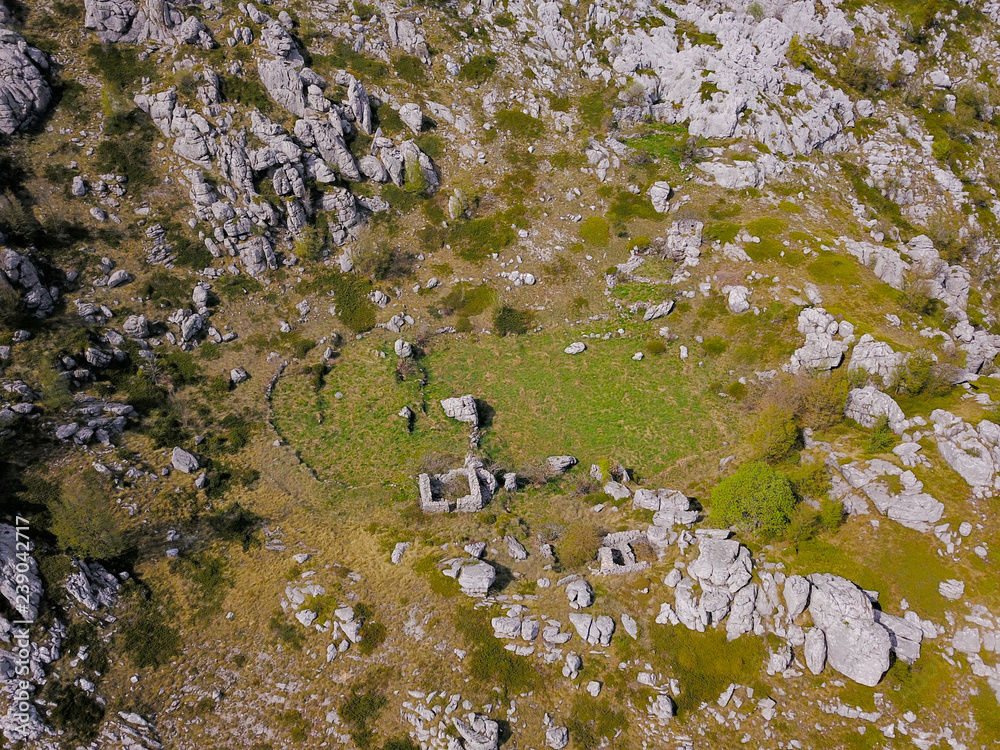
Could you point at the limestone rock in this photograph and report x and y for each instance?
(815, 650)
(462, 408)
(183, 461)
(25, 602)
(476, 578)
(857, 646)
(25, 94)
(557, 737)
(560, 464)
(659, 195)
(866, 405)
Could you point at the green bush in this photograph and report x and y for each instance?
(510, 320)
(359, 711)
(479, 69)
(594, 230)
(757, 499)
(488, 662)
(714, 345)
(237, 524)
(721, 231)
(351, 291)
(594, 723)
(467, 301)
(881, 438)
(410, 69)
(654, 347)
(86, 521)
(863, 73)
(286, 632)
(74, 711)
(775, 435)
(628, 205)
(705, 663)
(515, 122)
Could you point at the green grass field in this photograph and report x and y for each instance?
(600, 404)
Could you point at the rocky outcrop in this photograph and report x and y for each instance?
(144, 20)
(18, 271)
(821, 351)
(973, 452)
(876, 358)
(25, 94)
(92, 585)
(856, 645)
(462, 408)
(20, 583)
(867, 405)
(911, 506)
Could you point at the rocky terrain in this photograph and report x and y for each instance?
(499, 374)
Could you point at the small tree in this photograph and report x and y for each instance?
(756, 498)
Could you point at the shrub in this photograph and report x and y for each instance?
(75, 711)
(127, 148)
(592, 724)
(655, 347)
(757, 499)
(775, 435)
(705, 663)
(360, 710)
(881, 438)
(479, 69)
(721, 231)
(714, 345)
(862, 73)
(87, 523)
(578, 546)
(508, 320)
(488, 662)
(410, 69)
(311, 243)
(237, 524)
(467, 301)
(922, 375)
(798, 56)
(515, 122)
(594, 230)
(289, 634)
(354, 309)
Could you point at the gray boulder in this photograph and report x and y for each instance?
(462, 408)
(181, 460)
(25, 94)
(579, 593)
(92, 585)
(476, 578)
(557, 737)
(857, 646)
(815, 650)
(480, 733)
(25, 602)
(867, 405)
(876, 358)
(560, 464)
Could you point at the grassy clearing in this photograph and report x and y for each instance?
(540, 401)
(705, 663)
(893, 560)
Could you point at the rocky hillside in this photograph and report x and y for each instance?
(499, 374)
